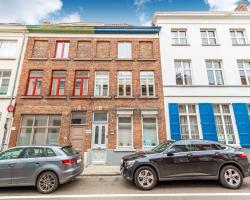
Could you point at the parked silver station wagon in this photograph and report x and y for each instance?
(45, 167)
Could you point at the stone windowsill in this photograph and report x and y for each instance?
(80, 97)
(180, 44)
(240, 45)
(56, 97)
(109, 97)
(31, 97)
(210, 45)
(124, 59)
(103, 59)
(37, 58)
(82, 59)
(146, 59)
(124, 149)
(60, 59)
(124, 97)
(7, 58)
(155, 97)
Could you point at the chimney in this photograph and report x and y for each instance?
(242, 6)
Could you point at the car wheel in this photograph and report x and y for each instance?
(231, 177)
(145, 178)
(47, 182)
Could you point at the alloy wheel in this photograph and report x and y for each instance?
(146, 178)
(47, 183)
(232, 177)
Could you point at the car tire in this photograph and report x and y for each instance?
(47, 182)
(231, 177)
(145, 178)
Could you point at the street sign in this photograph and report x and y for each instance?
(10, 108)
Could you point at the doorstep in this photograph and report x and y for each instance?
(101, 170)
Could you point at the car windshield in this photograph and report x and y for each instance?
(163, 146)
(69, 150)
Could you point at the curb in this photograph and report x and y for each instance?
(107, 174)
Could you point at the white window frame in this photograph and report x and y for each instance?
(208, 37)
(124, 47)
(6, 53)
(221, 115)
(124, 75)
(102, 75)
(147, 85)
(183, 71)
(63, 53)
(179, 37)
(188, 115)
(1, 79)
(213, 69)
(236, 36)
(244, 69)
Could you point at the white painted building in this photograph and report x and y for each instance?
(12, 43)
(205, 59)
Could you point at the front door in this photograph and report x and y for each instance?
(99, 143)
(78, 138)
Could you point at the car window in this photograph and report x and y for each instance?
(69, 150)
(163, 146)
(218, 147)
(11, 154)
(201, 147)
(34, 152)
(181, 148)
(50, 152)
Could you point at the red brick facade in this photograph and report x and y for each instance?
(91, 54)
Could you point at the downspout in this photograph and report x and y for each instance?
(7, 130)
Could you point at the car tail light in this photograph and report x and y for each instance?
(241, 155)
(69, 161)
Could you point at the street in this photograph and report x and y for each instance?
(115, 187)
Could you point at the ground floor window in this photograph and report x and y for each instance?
(150, 133)
(224, 124)
(79, 118)
(39, 129)
(188, 121)
(125, 132)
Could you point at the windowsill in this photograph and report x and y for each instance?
(80, 97)
(37, 58)
(207, 45)
(146, 59)
(155, 97)
(56, 97)
(60, 59)
(7, 58)
(124, 149)
(31, 97)
(124, 59)
(240, 44)
(101, 97)
(78, 124)
(103, 59)
(180, 44)
(124, 97)
(82, 59)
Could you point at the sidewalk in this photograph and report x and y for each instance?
(101, 170)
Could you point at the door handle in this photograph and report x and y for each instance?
(217, 154)
(10, 165)
(189, 155)
(36, 164)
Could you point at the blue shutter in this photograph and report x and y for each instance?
(243, 123)
(208, 121)
(174, 121)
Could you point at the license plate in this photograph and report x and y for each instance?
(78, 161)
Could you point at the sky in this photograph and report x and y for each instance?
(134, 12)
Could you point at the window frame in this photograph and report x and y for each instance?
(118, 146)
(58, 78)
(16, 48)
(82, 79)
(156, 127)
(78, 112)
(36, 78)
(125, 83)
(4, 78)
(213, 69)
(208, 37)
(183, 70)
(245, 70)
(131, 50)
(108, 78)
(179, 37)
(63, 49)
(147, 85)
(236, 37)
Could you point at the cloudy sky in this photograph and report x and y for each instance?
(136, 12)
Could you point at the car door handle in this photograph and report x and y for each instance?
(217, 154)
(10, 165)
(36, 164)
(189, 155)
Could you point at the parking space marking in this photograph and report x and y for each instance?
(122, 195)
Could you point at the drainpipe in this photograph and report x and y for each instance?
(9, 120)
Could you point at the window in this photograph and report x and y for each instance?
(50, 152)
(147, 84)
(34, 152)
(79, 117)
(125, 132)
(244, 70)
(125, 50)
(40, 49)
(238, 37)
(124, 83)
(4, 81)
(34, 83)
(224, 124)
(179, 148)
(150, 133)
(214, 73)
(188, 122)
(100, 117)
(179, 37)
(208, 37)
(183, 72)
(8, 49)
(62, 49)
(11, 154)
(101, 84)
(39, 129)
(58, 83)
(248, 107)
(81, 83)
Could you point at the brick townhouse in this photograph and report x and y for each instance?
(97, 87)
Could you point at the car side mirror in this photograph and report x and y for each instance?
(171, 152)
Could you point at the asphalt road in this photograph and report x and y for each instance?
(115, 187)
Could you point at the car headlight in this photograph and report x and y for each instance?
(130, 163)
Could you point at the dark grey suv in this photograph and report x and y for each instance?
(186, 160)
(42, 166)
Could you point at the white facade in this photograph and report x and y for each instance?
(12, 43)
(224, 51)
